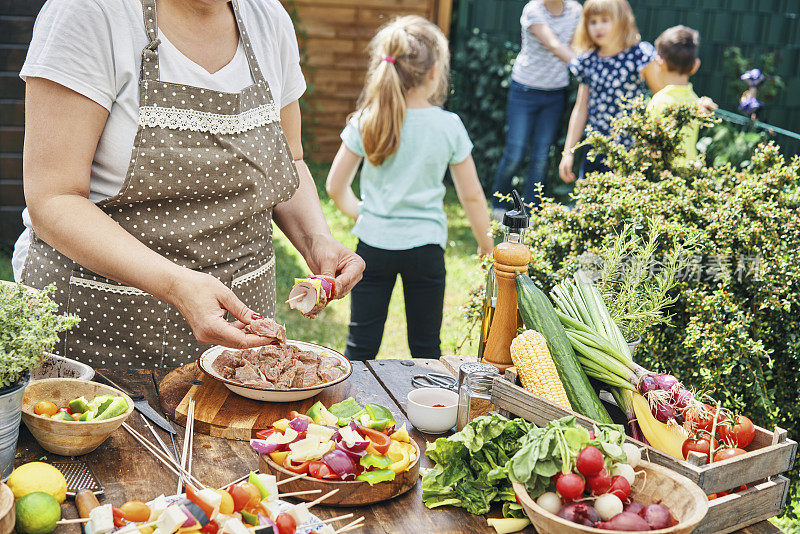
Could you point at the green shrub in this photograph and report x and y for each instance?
(735, 327)
(481, 72)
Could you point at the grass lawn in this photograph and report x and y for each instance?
(330, 327)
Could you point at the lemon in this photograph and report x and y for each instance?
(38, 476)
(37, 513)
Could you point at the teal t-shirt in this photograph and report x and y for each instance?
(402, 199)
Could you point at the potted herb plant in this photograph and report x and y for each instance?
(29, 327)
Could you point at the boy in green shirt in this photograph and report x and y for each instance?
(677, 60)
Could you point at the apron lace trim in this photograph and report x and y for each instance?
(203, 121)
(102, 286)
(255, 273)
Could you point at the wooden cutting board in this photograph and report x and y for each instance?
(221, 413)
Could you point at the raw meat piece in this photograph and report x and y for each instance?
(306, 377)
(308, 297)
(266, 327)
(248, 373)
(269, 372)
(329, 374)
(308, 357)
(287, 377)
(228, 358)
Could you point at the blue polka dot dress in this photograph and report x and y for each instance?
(610, 79)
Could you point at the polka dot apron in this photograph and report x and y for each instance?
(206, 171)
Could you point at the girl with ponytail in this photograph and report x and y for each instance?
(406, 142)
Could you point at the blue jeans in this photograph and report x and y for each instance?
(534, 116)
(598, 165)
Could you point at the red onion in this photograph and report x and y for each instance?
(579, 512)
(264, 520)
(633, 507)
(626, 522)
(190, 520)
(657, 516)
(647, 384)
(299, 424)
(682, 397)
(663, 412)
(666, 382)
(354, 426)
(341, 464)
(261, 446)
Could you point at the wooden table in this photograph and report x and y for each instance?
(130, 473)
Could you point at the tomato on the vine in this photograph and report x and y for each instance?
(727, 454)
(702, 444)
(740, 434)
(705, 419)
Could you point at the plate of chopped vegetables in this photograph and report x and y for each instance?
(358, 449)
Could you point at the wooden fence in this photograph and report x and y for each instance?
(334, 35)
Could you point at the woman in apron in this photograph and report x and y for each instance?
(154, 262)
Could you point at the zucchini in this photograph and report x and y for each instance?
(538, 314)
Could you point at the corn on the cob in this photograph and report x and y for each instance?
(536, 369)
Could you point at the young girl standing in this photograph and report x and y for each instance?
(407, 142)
(613, 63)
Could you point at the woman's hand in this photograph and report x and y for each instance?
(565, 167)
(203, 301)
(330, 258)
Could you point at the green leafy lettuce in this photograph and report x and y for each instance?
(471, 466)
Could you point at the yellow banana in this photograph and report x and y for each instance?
(660, 436)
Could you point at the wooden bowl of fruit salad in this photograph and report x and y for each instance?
(391, 459)
(70, 417)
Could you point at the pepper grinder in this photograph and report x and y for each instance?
(510, 256)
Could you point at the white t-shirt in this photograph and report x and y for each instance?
(94, 47)
(535, 65)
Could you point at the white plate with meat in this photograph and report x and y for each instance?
(286, 372)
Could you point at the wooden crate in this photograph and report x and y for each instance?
(770, 454)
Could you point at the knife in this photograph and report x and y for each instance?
(139, 402)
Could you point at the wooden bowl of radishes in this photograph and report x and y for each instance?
(653, 485)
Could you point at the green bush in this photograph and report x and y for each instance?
(735, 328)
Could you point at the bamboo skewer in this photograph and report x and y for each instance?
(353, 525)
(186, 444)
(320, 499)
(166, 460)
(330, 520)
(158, 438)
(294, 493)
(73, 521)
(191, 442)
(295, 298)
(280, 482)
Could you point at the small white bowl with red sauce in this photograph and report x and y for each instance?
(432, 410)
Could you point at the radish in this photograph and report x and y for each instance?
(589, 461)
(600, 483)
(625, 471)
(608, 506)
(581, 513)
(657, 516)
(620, 487)
(626, 522)
(570, 486)
(550, 501)
(633, 507)
(633, 453)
